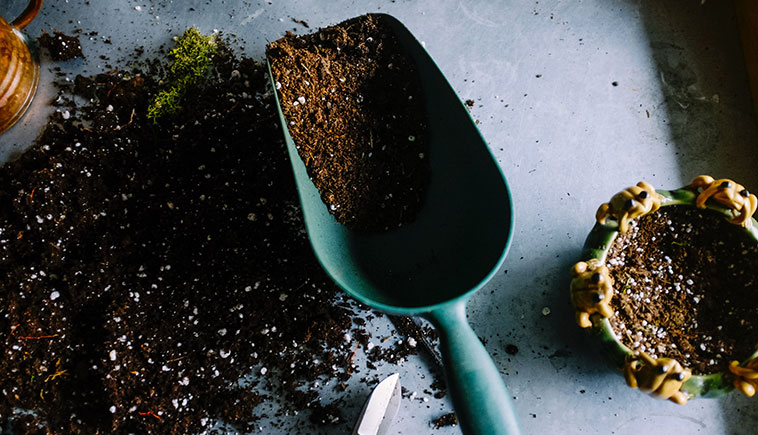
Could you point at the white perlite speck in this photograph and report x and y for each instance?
(112, 355)
(54, 295)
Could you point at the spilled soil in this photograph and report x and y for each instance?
(145, 268)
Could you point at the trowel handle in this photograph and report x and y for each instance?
(482, 403)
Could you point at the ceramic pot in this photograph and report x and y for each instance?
(592, 290)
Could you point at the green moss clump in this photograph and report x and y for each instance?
(191, 60)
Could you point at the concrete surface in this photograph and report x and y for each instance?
(577, 99)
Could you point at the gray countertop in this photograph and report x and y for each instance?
(578, 100)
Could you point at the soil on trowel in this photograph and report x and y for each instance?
(146, 267)
(352, 100)
(686, 285)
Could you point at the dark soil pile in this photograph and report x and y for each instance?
(352, 100)
(61, 46)
(144, 268)
(449, 419)
(686, 285)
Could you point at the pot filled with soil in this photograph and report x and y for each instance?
(404, 204)
(668, 283)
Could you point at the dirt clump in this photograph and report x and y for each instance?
(61, 47)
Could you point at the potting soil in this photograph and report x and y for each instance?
(352, 99)
(145, 268)
(686, 285)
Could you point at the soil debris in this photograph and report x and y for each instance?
(303, 22)
(685, 285)
(61, 47)
(449, 419)
(146, 268)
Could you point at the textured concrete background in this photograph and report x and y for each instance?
(542, 74)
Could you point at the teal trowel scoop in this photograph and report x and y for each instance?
(432, 266)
